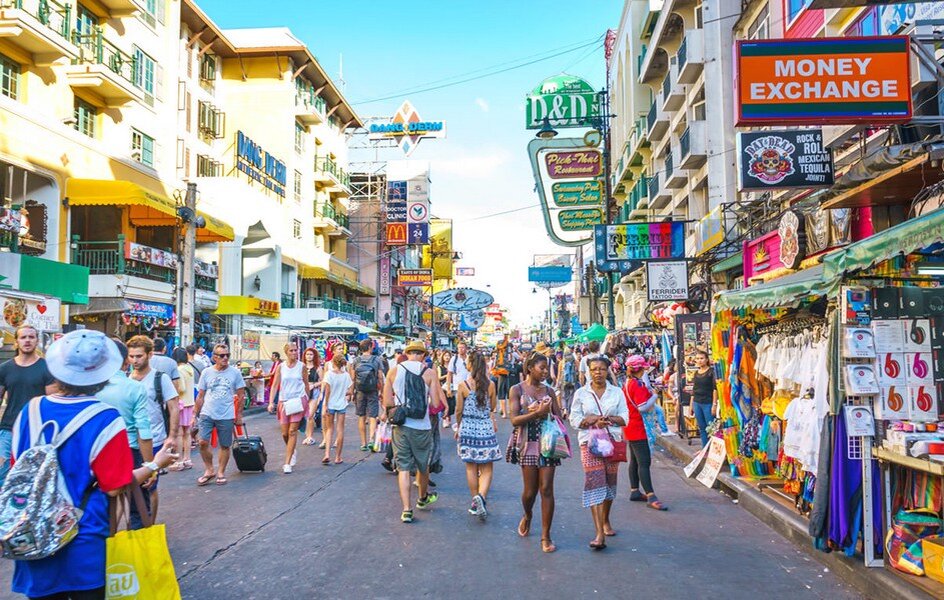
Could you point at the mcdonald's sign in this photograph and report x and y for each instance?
(396, 234)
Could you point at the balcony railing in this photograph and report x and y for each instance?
(682, 55)
(327, 165)
(651, 117)
(338, 305)
(10, 240)
(330, 212)
(207, 284)
(668, 164)
(666, 85)
(50, 13)
(306, 97)
(108, 258)
(685, 142)
(288, 300)
(95, 49)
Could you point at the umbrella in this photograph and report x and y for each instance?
(341, 326)
(596, 333)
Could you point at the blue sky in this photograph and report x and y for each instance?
(481, 168)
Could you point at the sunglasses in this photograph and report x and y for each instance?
(221, 355)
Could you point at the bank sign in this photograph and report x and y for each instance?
(824, 81)
(259, 165)
(784, 159)
(564, 100)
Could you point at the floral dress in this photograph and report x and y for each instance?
(477, 440)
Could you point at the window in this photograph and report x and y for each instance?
(85, 116)
(211, 121)
(142, 148)
(144, 73)
(795, 7)
(299, 138)
(9, 77)
(866, 24)
(207, 167)
(298, 186)
(759, 29)
(297, 229)
(149, 14)
(85, 26)
(208, 69)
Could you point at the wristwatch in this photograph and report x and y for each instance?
(153, 466)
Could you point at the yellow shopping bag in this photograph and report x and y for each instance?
(138, 565)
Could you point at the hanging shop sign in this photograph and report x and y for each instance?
(784, 159)
(396, 234)
(418, 190)
(471, 320)
(579, 164)
(551, 274)
(462, 299)
(563, 171)
(205, 269)
(158, 310)
(384, 286)
(465, 271)
(622, 247)
(709, 231)
(783, 248)
(417, 234)
(792, 239)
(41, 313)
(151, 256)
(824, 81)
(414, 277)
(564, 100)
(417, 212)
(667, 280)
(248, 305)
(438, 254)
(578, 193)
(259, 165)
(406, 128)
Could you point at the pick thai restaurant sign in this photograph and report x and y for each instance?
(824, 81)
(784, 159)
(574, 165)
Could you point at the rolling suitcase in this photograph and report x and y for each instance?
(249, 452)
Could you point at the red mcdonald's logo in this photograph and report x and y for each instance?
(396, 234)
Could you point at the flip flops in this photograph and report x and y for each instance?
(205, 479)
(654, 503)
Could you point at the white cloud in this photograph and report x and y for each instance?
(474, 166)
(482, 103)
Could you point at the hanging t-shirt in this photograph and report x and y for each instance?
(801, 437)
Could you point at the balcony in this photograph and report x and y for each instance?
(691, 56)
(104, 69)
(328, 217)
(109, 258)
(657, 123)
(693, 146)
(660, 194)
(638, 197)
(350, 308)
(674, 178)
(40, 27)
(309, 107)
(288, 300)
(329, 172)
(207, 284)
(120, 8)
(673, 94)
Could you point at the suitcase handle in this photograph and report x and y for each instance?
(241, 430)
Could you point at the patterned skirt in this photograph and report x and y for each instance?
(599, 482)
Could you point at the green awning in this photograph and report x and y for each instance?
(735, 260)
(67, 282)
(783, 291)
(596, 333)
(904, 238)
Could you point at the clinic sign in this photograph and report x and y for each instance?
(406, 128)
(564, 100)
(834, 81)
(259, 165)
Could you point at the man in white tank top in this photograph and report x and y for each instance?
(412, 441)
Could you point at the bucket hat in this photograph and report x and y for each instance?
(83, 357)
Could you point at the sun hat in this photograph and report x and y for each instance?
(83, 357)
(542, 348)
(636, 362)
(415, 346)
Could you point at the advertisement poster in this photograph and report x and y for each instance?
(692, 332)
(784, 159)
(667, 280)
(713, 462)
(43, 314)
(151, 256)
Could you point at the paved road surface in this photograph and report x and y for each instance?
(334, 532)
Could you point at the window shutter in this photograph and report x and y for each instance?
(187, 114)
(159, 82)
(181, 95)
(187, 163)
(180, 153)
(161, 9)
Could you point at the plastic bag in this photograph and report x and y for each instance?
(554, 440)
(382, 437)
(600, 443)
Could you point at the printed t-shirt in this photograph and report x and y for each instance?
(98, 451)
(220, 387)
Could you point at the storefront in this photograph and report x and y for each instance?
(807, 361)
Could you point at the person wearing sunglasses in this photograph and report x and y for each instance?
(216, 409)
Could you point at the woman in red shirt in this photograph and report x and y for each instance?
(639, 399)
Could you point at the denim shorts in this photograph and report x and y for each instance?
(337, 411)
(224, 430)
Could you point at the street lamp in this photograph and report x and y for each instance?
(546, 132)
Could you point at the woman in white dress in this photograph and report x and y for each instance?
(291, 383)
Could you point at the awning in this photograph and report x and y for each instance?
(100, 306)
(783, 291)
(735, 260)
(320, 273)
(147, 208)
(904, 238)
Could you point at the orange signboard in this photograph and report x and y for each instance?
(824, 81)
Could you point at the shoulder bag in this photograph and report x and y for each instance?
(619, 447)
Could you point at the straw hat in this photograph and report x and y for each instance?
(542, 348)
(415, 346)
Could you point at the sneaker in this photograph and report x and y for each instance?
(365, 448)
(482, 513)
(423, 503)
(475, 507)
(406, 516)
(294, 459)
(286, 468)
(386, 464)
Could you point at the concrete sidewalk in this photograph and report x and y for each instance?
(875, 583)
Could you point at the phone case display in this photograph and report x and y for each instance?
(892, 403)
(919, 368)
(889, 336)
(861, 380)
(858, 342)
(922, 403)
(857, 307)
(917, 335)
(891, 369)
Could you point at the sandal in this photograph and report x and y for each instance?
(547, 546)
(177, 466)
(326, 461)
(221, 481)
(308, 442)
(205, 479)
(188, 464)
(524, 526)
(406, 516)
(595, 545)
(654, 503)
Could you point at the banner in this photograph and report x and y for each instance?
(151, 256)
(559, 275)
(414, 277)
(205, 269)
(784, 159)
(667, 280)
(835, 81)
(438, 254)
(564, 100)
(384, 288)
(622, 247)
(462, 299)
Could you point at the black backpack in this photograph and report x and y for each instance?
(159, 398)
(365, 375)
(415, 394)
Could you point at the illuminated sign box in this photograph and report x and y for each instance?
(824, 81)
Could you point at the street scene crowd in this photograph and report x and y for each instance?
(110, 420)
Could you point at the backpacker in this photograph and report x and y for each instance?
(37, 514)
(365, 375)
(159, 398)
(414, 394)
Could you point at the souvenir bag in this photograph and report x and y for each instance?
(618, 452)
(382, 437)
(138, 563)
(903, 542)
(600, 444)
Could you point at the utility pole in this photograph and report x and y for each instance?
(605, 134)
(186, 279)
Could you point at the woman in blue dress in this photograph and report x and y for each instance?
(478, 446)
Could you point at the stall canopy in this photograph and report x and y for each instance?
(146, 208)
(783, 291)
(596, 333)
(341, 326)
(904, 238)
